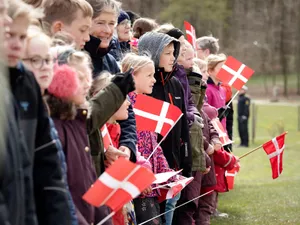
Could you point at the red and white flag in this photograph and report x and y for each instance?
(119, 184)
(164, 177)
(221, 131)
(174, 188)
(190, 33)
(274, 150)
(230, 174)
(106, 137)
(234, 73)
(155, 115)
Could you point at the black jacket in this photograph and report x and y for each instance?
(102, 61)
(49, 188)
(243, 105)
(176, 146)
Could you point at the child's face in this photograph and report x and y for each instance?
(39, 60)
(122, 113)
(204, 73)
(213, 72)
(189, 55)
(144, 79)
(167, 58)
(103, 27)
(182, 52)
(15, 41)
(85, 79)
(123, 30)
(202, 54)
(79, 29)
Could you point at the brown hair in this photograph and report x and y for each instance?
(142, 26)
(100, 82)
(208, 42)
(34, 3)
(100, 6)
(65, 10)
(165, 28)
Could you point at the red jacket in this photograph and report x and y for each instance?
(223, 161)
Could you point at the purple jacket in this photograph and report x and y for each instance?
(191, 109)
(81, 172)
(216, 97)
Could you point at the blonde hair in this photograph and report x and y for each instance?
(100, 82)
(100, 6)
(134, 61)
(164, 28)
(34, 3)
(18, 8)
(65, 11)
(200, 63)
(214, 60)
(35, 31)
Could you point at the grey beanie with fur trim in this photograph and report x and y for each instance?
(153, 43)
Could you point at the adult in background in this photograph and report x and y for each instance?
(243, 116)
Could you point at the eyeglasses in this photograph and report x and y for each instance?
(38, 62)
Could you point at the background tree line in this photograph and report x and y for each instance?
(263, 34)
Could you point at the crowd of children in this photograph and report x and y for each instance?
(69, 68)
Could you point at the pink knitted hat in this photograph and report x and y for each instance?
(65, 82)
(211, 111)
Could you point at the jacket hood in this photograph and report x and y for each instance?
(153, 44)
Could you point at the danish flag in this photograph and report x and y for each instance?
(106, 137)
(174, 188)
(119, 184)
(235, 73)
(274, 150)
(155, 115)
(222, 133)
(190, 33)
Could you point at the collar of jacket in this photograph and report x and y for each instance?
(210, 81)
(92, 47)
(15, 74)
(161, 76)
(190, 72)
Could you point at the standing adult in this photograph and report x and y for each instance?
(243, 116)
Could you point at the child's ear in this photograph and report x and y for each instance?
(57, 26)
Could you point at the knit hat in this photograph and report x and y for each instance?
(211, 111)
(123, 16)
(154, 43)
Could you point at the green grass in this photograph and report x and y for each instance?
(257, 198)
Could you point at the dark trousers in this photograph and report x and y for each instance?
(145, 209)
(185, 214)
(205, 209)
(243, 131)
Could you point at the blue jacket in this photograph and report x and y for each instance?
(102, 60)
(119, 49)
(62, 159)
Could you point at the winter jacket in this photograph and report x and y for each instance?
(196, 134)
(49, 189)
(62, 159)
(191, 110)
(106, 103)
(81, 173)
(147, 141)
(176, 146)
(216, 97)
(209, 133)
(120, 49)
(17, 198)
(101, 59)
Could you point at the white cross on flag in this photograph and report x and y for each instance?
(174, 188)
(106, 137)
(155, 115)
(234, 73)
(274, 150)
(190, 33)
(119, 184)
(221, 131)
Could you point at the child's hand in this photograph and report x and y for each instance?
(147, 191)
(112, 154)
(207, 170)
(217, 146)
(210, 150)
(237, 159)
(126, 151)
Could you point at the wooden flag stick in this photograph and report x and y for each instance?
(248, 153)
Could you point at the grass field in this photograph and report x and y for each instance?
(257, 198)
